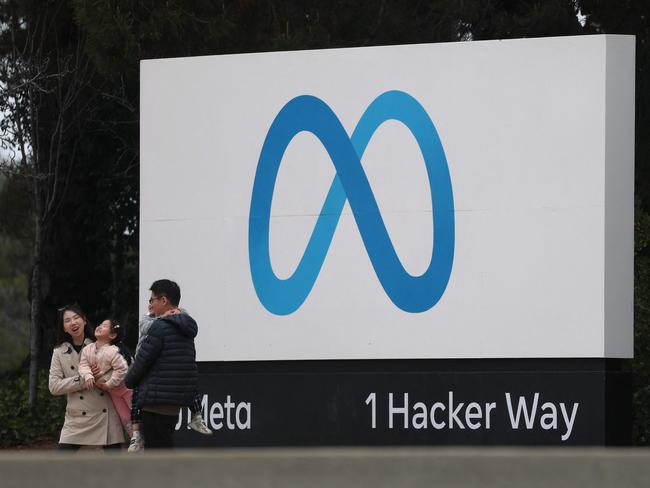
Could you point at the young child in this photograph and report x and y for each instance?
(110, 356)
(197, 423)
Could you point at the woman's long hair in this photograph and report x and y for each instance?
(61, 335)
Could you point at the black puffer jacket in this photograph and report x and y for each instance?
(164, 370)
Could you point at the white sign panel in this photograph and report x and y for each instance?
(460, 200)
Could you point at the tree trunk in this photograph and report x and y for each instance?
(35, 312)
(114, 275)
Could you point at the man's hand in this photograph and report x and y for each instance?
(173, 311)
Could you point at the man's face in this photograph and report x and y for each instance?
(158, 305)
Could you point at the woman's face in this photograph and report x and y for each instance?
(74, 324)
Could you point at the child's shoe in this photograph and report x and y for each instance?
(198, 424)
(137, 442)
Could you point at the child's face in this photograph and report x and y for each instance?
(103, 331)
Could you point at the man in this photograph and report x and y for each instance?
(164, 370)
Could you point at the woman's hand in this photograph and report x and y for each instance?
(173, 311)
(90, 382)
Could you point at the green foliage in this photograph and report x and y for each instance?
(19, 425)
(640, 366)
(122, 33)
(15, 208)
(14, 323)
(15, 256)
(631, 17)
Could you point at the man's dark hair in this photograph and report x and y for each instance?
(167, 288)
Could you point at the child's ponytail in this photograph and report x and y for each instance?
(120, 334)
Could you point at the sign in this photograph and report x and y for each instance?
(460, 200)
(431, 402)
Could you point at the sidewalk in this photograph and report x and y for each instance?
(339, 468)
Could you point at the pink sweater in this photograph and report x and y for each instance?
(109, 360)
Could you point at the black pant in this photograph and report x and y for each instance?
(158, 430)
(76, 447)
(136, 412)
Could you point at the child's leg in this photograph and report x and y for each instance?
(122, 399)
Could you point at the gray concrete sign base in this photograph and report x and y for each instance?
(340, 468)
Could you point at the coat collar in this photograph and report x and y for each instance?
(67, 348)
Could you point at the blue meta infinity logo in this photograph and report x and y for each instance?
(307, 113)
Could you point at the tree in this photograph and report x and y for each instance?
(44, 71)
(15, 258)
(69, 88)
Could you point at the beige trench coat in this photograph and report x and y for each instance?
(90, 418)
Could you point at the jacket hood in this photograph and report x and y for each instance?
(185, 324)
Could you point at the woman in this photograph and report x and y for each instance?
(90, 418)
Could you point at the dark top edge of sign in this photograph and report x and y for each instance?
(414, 365)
